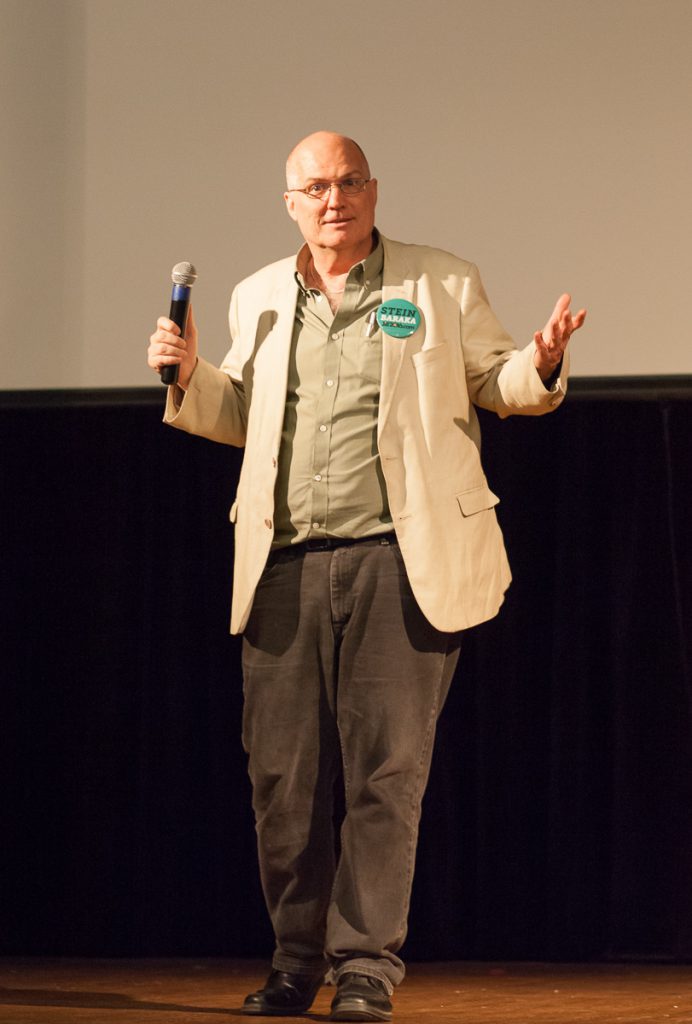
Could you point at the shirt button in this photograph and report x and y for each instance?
(335, 337)
(317, 476)
(316, 526)
(330, 383)
(322, 428)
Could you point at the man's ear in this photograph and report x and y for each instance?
(290, 205)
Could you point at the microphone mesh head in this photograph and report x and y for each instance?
(184, 273)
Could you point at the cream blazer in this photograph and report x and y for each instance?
(428, 432)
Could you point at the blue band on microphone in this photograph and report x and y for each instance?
(180, 292)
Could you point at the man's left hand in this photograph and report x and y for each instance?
(551, 342)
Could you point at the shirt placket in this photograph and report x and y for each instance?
(326, 405)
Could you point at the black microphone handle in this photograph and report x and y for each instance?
(178, 314)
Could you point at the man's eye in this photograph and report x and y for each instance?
(350, 182)
(318, 188)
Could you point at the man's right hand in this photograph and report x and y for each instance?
(166, 347)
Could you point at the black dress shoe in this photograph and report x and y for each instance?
(360, 997)
(284, 995)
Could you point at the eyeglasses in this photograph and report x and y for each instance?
(321, 189)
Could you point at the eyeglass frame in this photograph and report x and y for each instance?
(330, 186)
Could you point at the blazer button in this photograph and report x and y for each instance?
(268, 523)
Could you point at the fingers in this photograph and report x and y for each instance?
(549, 349)
(556, 331)
(551, 342)
(562, 323)
(561, 306)
(164, 324)
(166, 347)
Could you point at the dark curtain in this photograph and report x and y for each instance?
(557, 823)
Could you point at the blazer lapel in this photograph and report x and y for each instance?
(397, 283)
(275, 331)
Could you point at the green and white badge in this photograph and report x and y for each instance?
(398, 318)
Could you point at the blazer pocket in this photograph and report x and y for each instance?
(477, 499)
(429, 355)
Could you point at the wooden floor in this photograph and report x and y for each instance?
(204, 991)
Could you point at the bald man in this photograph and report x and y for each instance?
(366, 542)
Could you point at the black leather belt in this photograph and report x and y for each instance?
(328, 544)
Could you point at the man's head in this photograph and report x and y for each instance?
(336, 222)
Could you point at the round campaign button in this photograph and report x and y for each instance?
(398, 318)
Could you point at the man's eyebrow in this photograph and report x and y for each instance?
(341, 177)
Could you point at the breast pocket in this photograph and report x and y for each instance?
(369, 356)
(430, 356)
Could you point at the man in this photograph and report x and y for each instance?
(366, 541)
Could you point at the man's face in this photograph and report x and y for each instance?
(337, 222)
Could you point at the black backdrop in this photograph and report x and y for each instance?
(557, 822)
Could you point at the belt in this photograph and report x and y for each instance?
(328, 544)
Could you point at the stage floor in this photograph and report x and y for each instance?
(43, 991)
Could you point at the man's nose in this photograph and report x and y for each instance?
(336, 197)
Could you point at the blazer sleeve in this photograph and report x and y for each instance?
(499, 376)
(214, 405)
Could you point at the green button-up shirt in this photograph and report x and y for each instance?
(330, 481)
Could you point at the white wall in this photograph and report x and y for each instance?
(41, 193)
(547, 140)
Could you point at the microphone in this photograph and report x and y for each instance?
(183, 276)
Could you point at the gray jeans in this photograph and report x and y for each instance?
(341, 672)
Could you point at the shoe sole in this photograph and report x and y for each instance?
(293, 1011)
(356, 1011)
(267, 1010)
